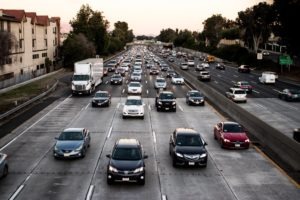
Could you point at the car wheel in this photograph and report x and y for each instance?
(93, 105)
(158, 109)
(174, 162)
(83, 153)
(174, 110)
(5, 171)
(124, 117)
(109, 181)
(142, 117)
(141, 182)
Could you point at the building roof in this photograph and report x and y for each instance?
(13, 15)
(43, 20)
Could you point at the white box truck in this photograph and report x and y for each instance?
(267, 78)
(87, 75)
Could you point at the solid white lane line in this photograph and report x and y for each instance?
(164, 197)
(87, 106)
(147, 92)
(10, 142)
(235, 76)
(90, 192)
(216, 82)
(149, 106)
(276, 90)
(255, 91)
(154, 136)
(146, 82)
(180, 108)
(17, 192)
(109, 132)
(106, 82)
(123, 90)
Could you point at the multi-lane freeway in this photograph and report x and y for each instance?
(230, 174)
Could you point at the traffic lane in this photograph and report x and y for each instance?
(129, 128)
(187, 182)
(279, 114)
(34, 141)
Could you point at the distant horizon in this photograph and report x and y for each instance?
(143, 17)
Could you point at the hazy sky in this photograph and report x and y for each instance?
(143, 17)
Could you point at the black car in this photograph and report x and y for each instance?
(220, 66)
(116, 79)
(244, 69)
(101, 98)
(126, 163)
(289, 95)
(187, 147)
(194, 97)
(165, 100)
(171, 73)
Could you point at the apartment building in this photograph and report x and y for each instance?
(34, 45)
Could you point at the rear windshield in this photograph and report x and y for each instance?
(232, 128)
(166, 96)
(71, 136)
(189, 140)
(239, 92)
(127, 154)
(101, 94)
(131, 102)
(195, 94)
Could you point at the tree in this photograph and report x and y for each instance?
(7, 41)
(256, 24)
(122, 33)
(77, 47)
(93, 25)
(287, 16)
(185, 39)
(213, 27)
(167, 35)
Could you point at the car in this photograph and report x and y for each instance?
(245, 85)
(160, 83)
(237, 95)
(134, 88)
(199, 67)
(72, 143)
(177, 79)
(164, 67)
(191, 63)
(187, 147)
(165, 100)
(265, 53)
(184, 66)
(220, 66)
(154, 71)
(171, 59)
(101, 98)
(231, 135)
(137, 69)
(105, 71)
(3, 165)
(121, 70)
(116, 79)
(204, 76)
(133, 107)
(289, 94)
(267, 78)
(126, 162)
(171, 73)
(135, 76)
(205, 65)
(111, 66)
(194, 97)
(244, 69)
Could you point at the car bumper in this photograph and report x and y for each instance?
(73, 154)
(189, 162)
(133, 114)
(166, 107)
(122, 177)
(196, 103)
(236, 145)
(100, 103)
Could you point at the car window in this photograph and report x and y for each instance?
(134, 85)
(232, 128)
(126, 154)
(167, 96)
(136, 102)
(195, 94)
(71, 136)
(189, 140)
(101, 94)
(240, 92)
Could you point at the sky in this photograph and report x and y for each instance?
(144, 17)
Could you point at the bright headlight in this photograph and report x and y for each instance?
(137, 170)
(179, 155)
(159, 102)
(173, 103)
(203, 155)
(247, 140)
(112, 169)
(79, 148)
(226, 140)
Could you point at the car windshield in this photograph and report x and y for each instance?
(135, 102)
(189, 140)
(134, 85)
(295, 91)
(160, 80)
(116, 76)
(136, 74)
(71, 136)
(244, 83)
(81, 77)
(233, 128)
(240, 92)
(101, 94)
(126, 154)
(167, 96)
(195, 94)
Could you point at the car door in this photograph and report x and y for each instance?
(217, 131)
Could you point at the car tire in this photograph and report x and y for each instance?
(142, 182)
(174, 110)
(124, 117)
(109, 181)
(174, 162)
(158, 109)
(142, 117)
(93, 105)
(5, 171)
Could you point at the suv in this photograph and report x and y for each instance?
(194, 97)
(165, 100)
(133, 107)
(126, 163)
(204, 76)
(237, 95)
(244, 69)
(187, 147)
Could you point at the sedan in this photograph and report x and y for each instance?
(101, 98)
(134, 88)
(116, 79)
(3, 165)
(289, 95)
(244, 69)
(72, 143)
(154, 71)
(177, 79)
(171, 73)
(187, 147)
(220, 66)
(135, 76)
(194, 97)
(245, 85)
(231, 135)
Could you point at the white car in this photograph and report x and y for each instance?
(135, 76)
(237, 95)
(137, 69)
(160, 83)
(205, 65)
(177, 79)
(133, 107)
(184, 66)
(191, 63)
(134, 88)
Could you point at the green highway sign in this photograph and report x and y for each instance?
(285, 60)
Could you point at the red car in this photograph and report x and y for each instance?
(231, 135)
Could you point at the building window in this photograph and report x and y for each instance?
(21, 44)
(21, 71)
(54, 30)
(33, 43)
(46, 31)
(8, 27)
(35, 56)
(42, 66)
(37, 67)
(1, 25)
(32, 31)
(46, 43)
(8, 61)
(21, 59)
(44, 55)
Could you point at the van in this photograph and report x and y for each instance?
(267, 78)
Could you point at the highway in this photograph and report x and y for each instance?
(230, 174)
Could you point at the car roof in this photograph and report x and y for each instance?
(237, 89)
(194, 91)
(134, 97)
(73, 130)
(128, 142)
(187, 131)
(230, 122)
(102, 91)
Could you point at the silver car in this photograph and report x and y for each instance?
(160, 83)
(3, 165)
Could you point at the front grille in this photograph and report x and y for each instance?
(192, 156)
(80, 87)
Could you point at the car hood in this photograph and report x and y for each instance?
(235, 136)
(126, 164)
(190, 149)
(196, 98)
(132, 107)
(100, 98)
(68, 144)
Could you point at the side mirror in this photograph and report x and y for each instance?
(108, 156)
(145, 156)
(56, 138)
(205, 143)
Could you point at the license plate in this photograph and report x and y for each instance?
(237, 145)
(116, 81)
(191, 163)
(66, 155)
(167, 108)
(197, 102)
(125, 179)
